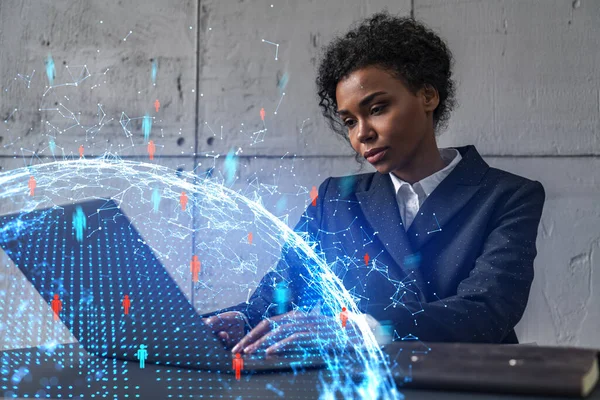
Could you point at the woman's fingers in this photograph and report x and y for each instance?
(279, 333)
(223, 335)
(322, 331)
(266, 325)
(259, 331)
(228, 326)
(309, 341)
(298, 318)
(297, 341)
(227, 339)
(224, 320)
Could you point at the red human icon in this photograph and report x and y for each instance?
(151, 149)
(250, 237)
(344, 316)
(313, 195)
(81, 151)
(262, 114)
(156, 105)
(195, 267)
(183, 200)
(126, 304)
(238, 366)
(56, 306)
(367, 259)
(32, 184)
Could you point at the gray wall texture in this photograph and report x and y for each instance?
(528, 75)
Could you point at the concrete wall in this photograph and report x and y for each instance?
(528, 87)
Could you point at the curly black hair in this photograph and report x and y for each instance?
(402, 46)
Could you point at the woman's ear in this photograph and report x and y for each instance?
(431, 98)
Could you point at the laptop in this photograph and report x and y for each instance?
(93, 274)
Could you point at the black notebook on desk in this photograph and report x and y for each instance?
(522, 369)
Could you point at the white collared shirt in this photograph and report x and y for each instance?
(411, 197)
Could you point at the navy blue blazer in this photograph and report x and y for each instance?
(461, 273)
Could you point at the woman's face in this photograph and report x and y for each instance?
(396, 120)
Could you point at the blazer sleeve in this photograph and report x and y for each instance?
(492, 299)
(290, 268)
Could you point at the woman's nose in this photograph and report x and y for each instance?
(365, 132)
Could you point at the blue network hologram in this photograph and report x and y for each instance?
(214, 226)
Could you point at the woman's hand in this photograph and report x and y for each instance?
(228, 326)
(295, 331)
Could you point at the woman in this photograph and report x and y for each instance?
(452, 241)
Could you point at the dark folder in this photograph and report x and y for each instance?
(519, 369)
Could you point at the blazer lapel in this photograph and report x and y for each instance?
(448, 198)
(379, 205)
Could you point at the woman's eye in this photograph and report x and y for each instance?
(380, 108)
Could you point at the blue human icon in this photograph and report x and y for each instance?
(347, 185)
(281, 204)
(142, 354)
(155, 199)
(50, 69)
(79, 223)
(384, 333)
(282, 296)
(52, 146)
(283, 82)
(231, 164)
(147, 126)
(154, 71)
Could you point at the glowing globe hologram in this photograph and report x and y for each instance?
(205, 247)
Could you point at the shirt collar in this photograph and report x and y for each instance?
(451, 157)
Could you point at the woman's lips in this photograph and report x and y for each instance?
(375, 158)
